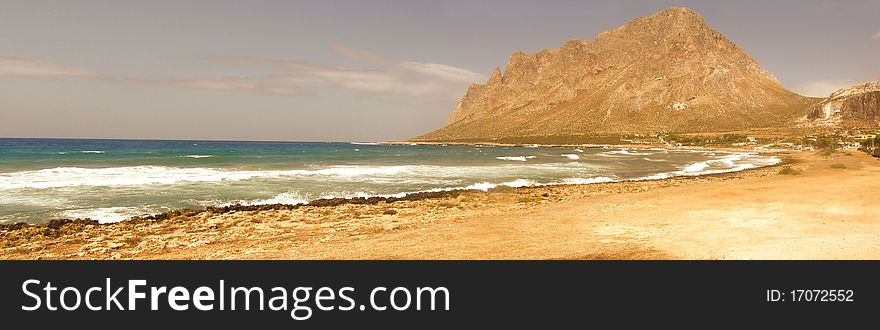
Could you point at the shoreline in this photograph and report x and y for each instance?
(643, 146)
(821, 208)
(391, 198)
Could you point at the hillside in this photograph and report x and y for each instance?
(855, 106)
(667, 72)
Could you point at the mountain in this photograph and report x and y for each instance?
(855, 106)
(667, 72)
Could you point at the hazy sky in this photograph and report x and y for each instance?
(346, 70)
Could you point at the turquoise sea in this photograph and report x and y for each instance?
(111, 180)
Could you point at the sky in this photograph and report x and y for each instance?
(347, 70)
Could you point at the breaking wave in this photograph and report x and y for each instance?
(140, 175)
(514, 158)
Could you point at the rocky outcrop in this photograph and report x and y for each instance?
(855, 106)
(667, 72)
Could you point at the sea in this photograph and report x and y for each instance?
(113, 180)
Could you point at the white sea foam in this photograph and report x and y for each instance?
(598, 179)
(515, 158)
(629, 152)
(729, 163)
(484, 186)
(366, 143)
(104, 214)
(519, 183)
(198, 156)
(571, 156)
(92, 151)
(657, 176)
(290, 197)
(578, 150)
(696, 167)
(140, 175)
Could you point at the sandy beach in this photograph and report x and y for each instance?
(824, 208)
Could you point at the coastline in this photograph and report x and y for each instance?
(652, 219)
(398, 197)
(652, 145)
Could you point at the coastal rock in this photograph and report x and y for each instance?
(855, 106)
(665, 72)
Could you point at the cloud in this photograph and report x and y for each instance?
(444, 72)
(386, 79)
(876, 36)
(822, 88)
(357, 55)
(390, 80)
(30, 68)
(232, 84)
(20, 67)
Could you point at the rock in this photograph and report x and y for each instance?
(855, 106)
(665, 72)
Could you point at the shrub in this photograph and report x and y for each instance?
(838, 166)
(789, 171)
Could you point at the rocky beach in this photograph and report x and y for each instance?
(810, 206)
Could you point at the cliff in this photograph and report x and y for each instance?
(667, 72)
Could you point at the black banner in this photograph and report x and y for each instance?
(431, 294)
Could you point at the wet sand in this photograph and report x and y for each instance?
(822, 212)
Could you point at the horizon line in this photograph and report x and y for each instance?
(172, 139)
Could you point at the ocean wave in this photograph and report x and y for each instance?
(696, 167)
(729, 163)
(92, 151)
(198, 156)
(598, 179)
(140, 175)
(105, 214)
(365, 143)
(513, 158)
(658, 176)
(290, 197)
(571, 156)
(628, 152)
(145, 175)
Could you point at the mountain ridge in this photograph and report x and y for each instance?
(858, 105)
(666, 72)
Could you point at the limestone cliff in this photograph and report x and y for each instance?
(667, 72)
(855, 106)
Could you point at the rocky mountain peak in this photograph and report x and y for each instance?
(669, 71)
(495, 78)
